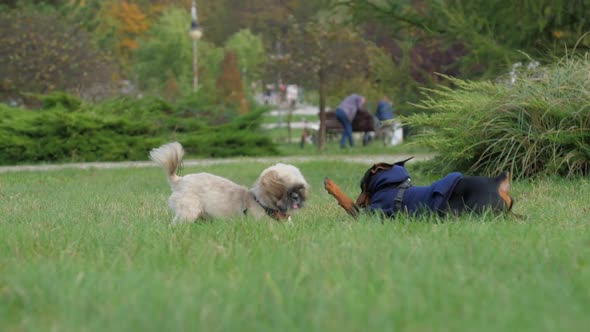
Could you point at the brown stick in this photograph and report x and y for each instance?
(343, 200)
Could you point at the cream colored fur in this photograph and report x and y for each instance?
(202, 195)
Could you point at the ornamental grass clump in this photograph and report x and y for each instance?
(537, 125)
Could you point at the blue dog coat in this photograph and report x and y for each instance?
(420, 199)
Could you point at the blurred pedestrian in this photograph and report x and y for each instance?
(345, 113)
(386, 127)
(384, 109)
(292, 92)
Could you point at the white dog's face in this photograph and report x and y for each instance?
(281, 187)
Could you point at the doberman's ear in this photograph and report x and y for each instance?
(403, 162)
(504, 189)
(380, 167)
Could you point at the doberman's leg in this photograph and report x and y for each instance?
(346, 202)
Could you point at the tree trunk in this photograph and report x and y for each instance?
(322, 92)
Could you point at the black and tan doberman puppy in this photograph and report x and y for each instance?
(387, 189)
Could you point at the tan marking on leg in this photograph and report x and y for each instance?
(343, 200)
(504, 191)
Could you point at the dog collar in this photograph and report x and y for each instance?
(275, 214)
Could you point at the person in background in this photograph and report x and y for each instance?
(292, 91)
(345, 113)
(384, 112)
(384, 109)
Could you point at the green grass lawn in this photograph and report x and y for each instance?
(91, 250)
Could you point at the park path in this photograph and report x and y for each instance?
(363, 159)
(302, 109)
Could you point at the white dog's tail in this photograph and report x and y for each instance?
(168, 156)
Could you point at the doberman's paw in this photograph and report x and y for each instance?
(343, 200)
(330, 186)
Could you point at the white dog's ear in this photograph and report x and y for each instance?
(271, 184)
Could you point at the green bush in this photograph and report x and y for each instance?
(240, 137)
(122, 129)
(58, 135)
(539, 125)
(159, 115)
(59, 99)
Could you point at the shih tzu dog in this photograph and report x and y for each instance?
(279, 190)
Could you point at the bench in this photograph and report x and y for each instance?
(363, 122)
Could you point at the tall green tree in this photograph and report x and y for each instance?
(229, 84)
(461, 38)
(250, 53)
(41, 53)
(165, 55)
(221, 19)
(116, 26)
(319, 53)
(494, 34)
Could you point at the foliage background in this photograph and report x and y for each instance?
(97, 50)
(123, 129)
(147, 40)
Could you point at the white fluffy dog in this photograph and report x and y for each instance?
(279, 189)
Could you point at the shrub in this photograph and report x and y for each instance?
(59, 135)
(121, 129)
(240, 137)
(539, 125)
(158, 114)
(59, 99)
(204, 107)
